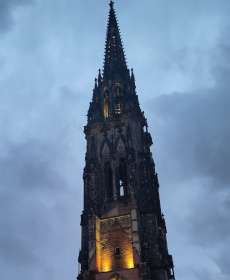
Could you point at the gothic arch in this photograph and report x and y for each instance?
(105, 148)
(118, 90)
(122, 178)
(118, 99)
(106, 107)
(120, 145)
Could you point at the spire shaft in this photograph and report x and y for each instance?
(114, 64)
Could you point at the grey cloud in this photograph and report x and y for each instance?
(223, 261)
(35, 206)
(209, 227)
(7, 8)
(16, 250)
(192, 147)
(199, 120)
(192, 142)
(29, 166)
(209, 223)
(200, 123)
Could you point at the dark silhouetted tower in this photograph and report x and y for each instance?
(123, 229)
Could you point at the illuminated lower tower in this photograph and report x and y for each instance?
(123, 229)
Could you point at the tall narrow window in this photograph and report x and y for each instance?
(118, 108)
(121, 187)
(118, 100)
(122, 179)
(117, 252)
(106, 106)
(118, 91)
(108, 177)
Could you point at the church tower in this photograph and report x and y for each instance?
(123, 228)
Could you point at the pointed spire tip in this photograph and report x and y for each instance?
(114, 59)
(111, 4)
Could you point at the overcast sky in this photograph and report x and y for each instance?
(50, 52)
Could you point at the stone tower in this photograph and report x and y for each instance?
(123, 229)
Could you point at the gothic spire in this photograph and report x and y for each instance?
(114, 64)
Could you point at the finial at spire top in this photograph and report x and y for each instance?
(111, 4)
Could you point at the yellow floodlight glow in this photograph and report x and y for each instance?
(106, 264)
(106, 259)
(129, 262)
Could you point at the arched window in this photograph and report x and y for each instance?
(122, 179)
(118, 107)
(121, 188)
(118, 91)
(106, 105)
(118, 100)
(108, 178)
